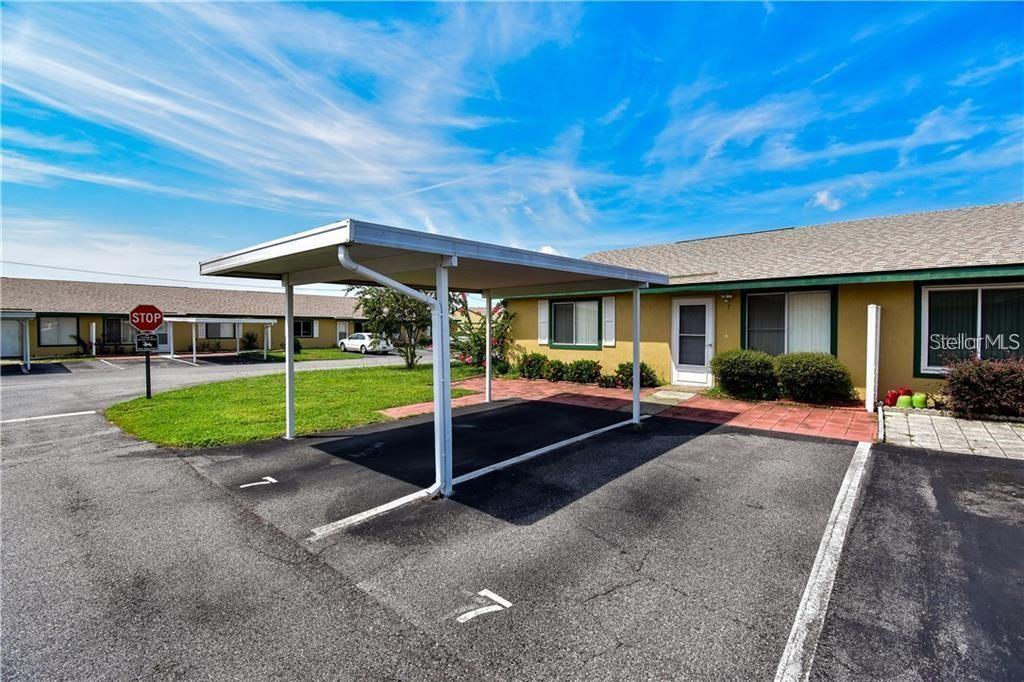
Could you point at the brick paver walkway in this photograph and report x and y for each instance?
(847, 423)
(940, 432)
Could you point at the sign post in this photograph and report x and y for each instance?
(146, 319)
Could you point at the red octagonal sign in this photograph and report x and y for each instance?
(146, 318)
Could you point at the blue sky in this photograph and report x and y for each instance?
(140, 138)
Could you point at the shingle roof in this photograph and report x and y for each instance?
(974, 236)
(64, 296)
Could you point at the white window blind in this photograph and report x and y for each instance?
(608, 320)
(586, 323)
(542, 322)
(57, 331)
(808, 322)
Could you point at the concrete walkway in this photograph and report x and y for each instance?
(940, 432)
(845, 423)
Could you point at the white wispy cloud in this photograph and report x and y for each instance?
(615, 113)
(826, 200)
(981, 75)
(26, 139)
(828, 74)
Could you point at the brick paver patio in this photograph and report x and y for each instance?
(846, 423)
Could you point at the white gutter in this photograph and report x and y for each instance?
(346, 262)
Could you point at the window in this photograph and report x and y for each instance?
(970, 322)
(220, 330)
(358, 326)
(57, 331)
(304, 328)
(790, 322)
(576, 323)
(112, 329)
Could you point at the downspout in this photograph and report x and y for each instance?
(345, 258)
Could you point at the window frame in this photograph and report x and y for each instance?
(574, 345)
(922, 370)
(833, 323)
(39, 331)
(299, 321)
(206, 330)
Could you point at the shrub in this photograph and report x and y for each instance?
(298, 346)
(624, 375)
(607, 381)
(985, 388)
(555, 370)
(250, 341)
(583, 371)
(813, 378)
(748, 374)
(532, 366)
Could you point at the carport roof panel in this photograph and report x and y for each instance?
(410, 257)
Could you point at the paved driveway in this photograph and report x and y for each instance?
(681, 550)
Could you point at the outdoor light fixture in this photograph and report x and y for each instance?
(727, 298)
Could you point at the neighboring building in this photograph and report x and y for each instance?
(943, 279)
(64, 310)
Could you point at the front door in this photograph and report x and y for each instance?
(11, 339)
(163, 344)
(693, 340)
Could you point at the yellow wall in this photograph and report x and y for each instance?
(896, 346)
(896, 355)
(655, 331)
(71, 347)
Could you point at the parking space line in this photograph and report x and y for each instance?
(105, 362)
(185, 362)
(48, 416)
(320, 532)
(500, 605)
(798, 656)
(539, 451)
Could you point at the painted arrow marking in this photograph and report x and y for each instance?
(500, 605)
(266, 480)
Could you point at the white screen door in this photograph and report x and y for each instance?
(693, 340)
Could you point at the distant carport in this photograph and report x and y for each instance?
(353, 252)
(267, 323)
(21, 318)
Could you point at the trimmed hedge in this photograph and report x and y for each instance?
(813, 378)
(555, 370)
(747, 374)
(624, 375)
(532, 366)
(979, 388)
(583, 371)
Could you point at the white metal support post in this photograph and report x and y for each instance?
(636, 355)
(92, 337)
(488, 351)
(289, 358)
(440, 332)
(26, 352)
(871, 373)
(170, 336)
(195, 327)
(442, 381)
(266, 340)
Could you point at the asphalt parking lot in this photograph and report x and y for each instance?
(680, 550)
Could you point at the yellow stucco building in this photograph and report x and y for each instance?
(948, 284)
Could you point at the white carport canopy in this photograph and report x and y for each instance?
(22, 317)
(267, 323)
(356, 252)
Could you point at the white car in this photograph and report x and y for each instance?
(366, 343)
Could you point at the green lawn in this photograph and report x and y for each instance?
(306, 355)
(252, 408)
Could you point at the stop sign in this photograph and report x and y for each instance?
(146, 318)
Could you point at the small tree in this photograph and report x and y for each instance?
(395, 316)
(470, 334)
